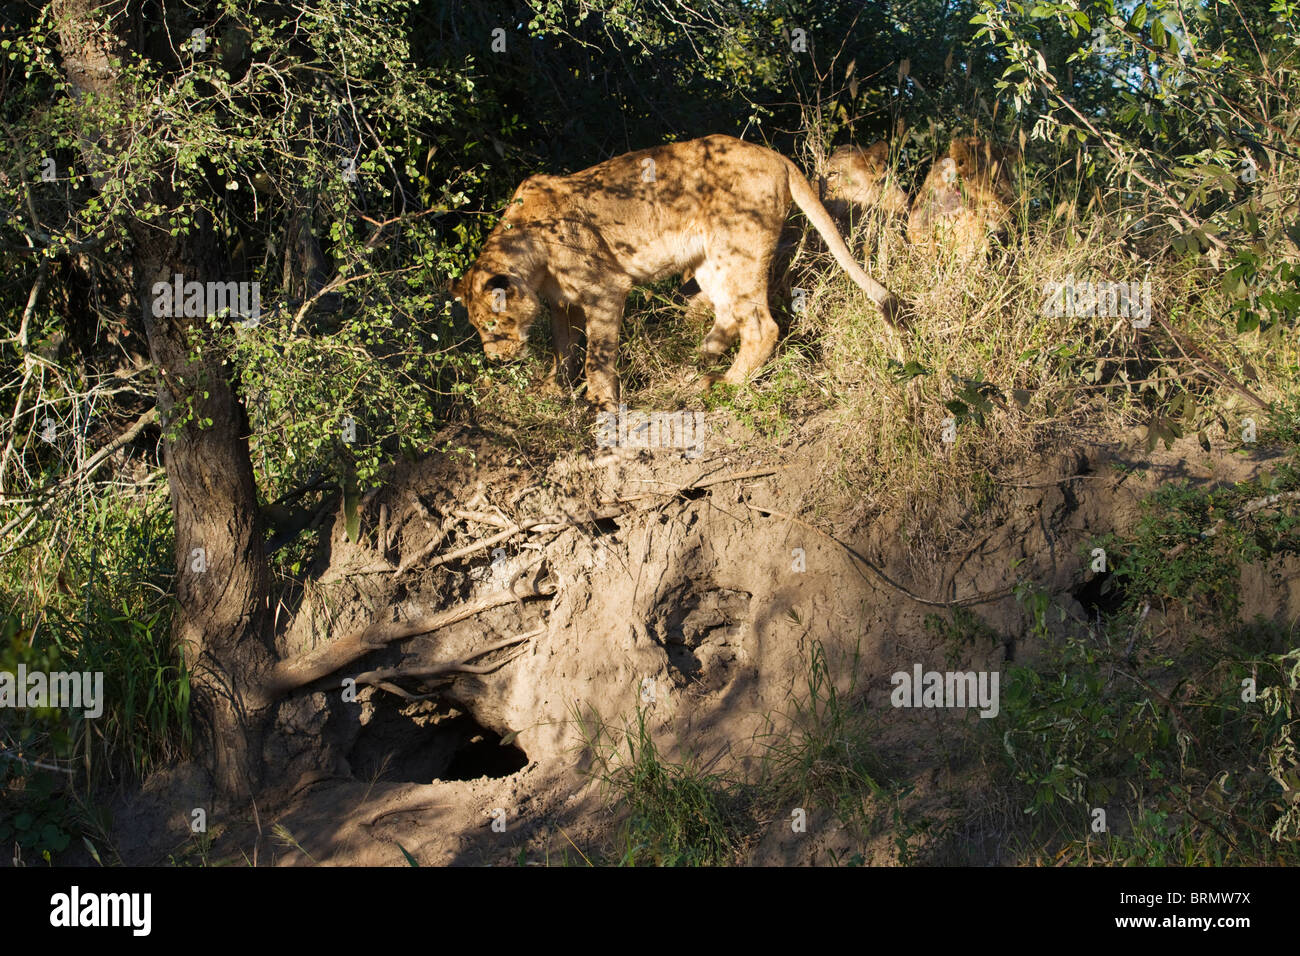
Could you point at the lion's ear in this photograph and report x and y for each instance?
(498, 281)
(879, 151)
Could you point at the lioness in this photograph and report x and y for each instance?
(713, 207)
(860, 179)
(966, 197)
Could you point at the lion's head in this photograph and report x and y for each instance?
(863, 178)
(983, 167)
(501, 307)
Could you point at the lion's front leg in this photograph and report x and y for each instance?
(603, 321)
(567, 324)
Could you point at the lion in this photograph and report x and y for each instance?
(712, 208)
(860, 179)
(966, 198)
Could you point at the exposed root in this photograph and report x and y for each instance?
(383, 678)
(323, 661)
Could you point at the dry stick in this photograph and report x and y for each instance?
(1257, 504)
(536, 525)
(13, 424)
(467, 549)
(42, 271)
(964, 602)
(737, 476)
(564, 469)
(40, 764)
(1245, 511)
(482, 517)
(600, 514)
(1186, 344)
(323, 661)
(551, 523)
(87, 469)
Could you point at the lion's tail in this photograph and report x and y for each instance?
(806, 199)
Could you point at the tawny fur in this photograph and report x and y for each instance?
(966, 199)
(860, 179)
(712, 207)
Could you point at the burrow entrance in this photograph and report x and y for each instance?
(425, 741)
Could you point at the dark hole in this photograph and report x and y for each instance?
(483, 756)
(1102, 596)
(422, 742)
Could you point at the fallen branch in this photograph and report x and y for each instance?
(298, 671)
(1245, 511)
(553, 523)
(600, 514)
(540, 525)
(467, 550)
(482, 517)
(1255, 504)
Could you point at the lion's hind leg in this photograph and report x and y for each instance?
(715, 293)
(739, 295)
(758, 335)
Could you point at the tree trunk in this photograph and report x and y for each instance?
(222, 624)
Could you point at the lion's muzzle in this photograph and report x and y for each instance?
(503, 350)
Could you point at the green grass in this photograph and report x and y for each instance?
(1189, 775)
(1181, 725)
(673, 813)
(819, 752)
(105, 607)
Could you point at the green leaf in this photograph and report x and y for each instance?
(352, 508)
(409, 859)
(1138, 20)
(910, 371)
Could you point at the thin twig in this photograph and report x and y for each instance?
(964, 602)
